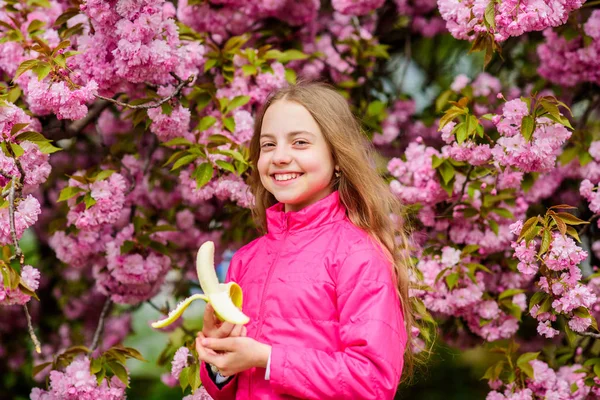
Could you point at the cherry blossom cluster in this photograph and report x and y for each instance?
(456, 291)
(466, 19)
(566, 294)
(569, 62)
(416, 180)
(77, 382)
(513, 149)
(109, 197)
(566, 383)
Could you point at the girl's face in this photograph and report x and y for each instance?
(295, 163)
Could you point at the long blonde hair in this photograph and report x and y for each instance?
(368, 200)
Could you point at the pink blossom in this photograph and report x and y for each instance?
(546, 330)
(26, 214)
(180, 361)
(169, 126)
(109, 195)
(45, 97)
(77, 382)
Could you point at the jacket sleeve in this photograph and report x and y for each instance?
(228, 390)
(369, 362)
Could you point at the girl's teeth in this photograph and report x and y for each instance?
(285, 177)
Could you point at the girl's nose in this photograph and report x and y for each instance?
(281, 156)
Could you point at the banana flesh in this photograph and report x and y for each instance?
(226, 299)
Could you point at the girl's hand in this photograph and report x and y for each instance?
(238, 353)
(213, 328)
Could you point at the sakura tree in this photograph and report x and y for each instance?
(124, 129)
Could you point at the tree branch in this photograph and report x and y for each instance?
(34, 339)
(100, 326)
(176, 92)
(11, 219)
(591, 334)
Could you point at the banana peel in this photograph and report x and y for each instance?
(225, 298)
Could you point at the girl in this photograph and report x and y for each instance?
(325, 288)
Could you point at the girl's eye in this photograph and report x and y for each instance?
(301, 142)
(264, 145)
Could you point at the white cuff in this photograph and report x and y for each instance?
(268, 373)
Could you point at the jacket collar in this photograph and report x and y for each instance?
(325, 211)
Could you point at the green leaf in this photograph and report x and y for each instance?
(503, 212)
(48, 148)
(67, 15)
(194, 377)
(184, 378)
(436, 161)
(127, 246)
(546, 241)
(229, 124)
(528, 227)
(225, 165)
(490, 14)
(493, 226)
(571, 336)
(88, 200)
(523, 362)
(375, 108)
(133, 353)
(17, 127)
(96, 365)
(179, 141)
(510, 293)
(571, 231)
(69, 192)
(35, 25)
(570, 219)
(290, 76)
(24, 67)
(248, 70)
(209, 64)
(203, 174)
(14, 94)
(236, 102)
(102, 175)
(185, 160)
(290, 55)
(442, 100)
(452, 280)
(527, 127)
(100, 375)
(39, 368)
(120, 371)
(537, 298)
(205, 123)
(447, 171)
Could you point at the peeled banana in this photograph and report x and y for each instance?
(225, 298)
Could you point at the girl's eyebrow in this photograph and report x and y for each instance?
(290, 134)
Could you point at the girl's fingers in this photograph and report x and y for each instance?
(224, 330)
(203, 352)
(237, 330)
(209, 317)
(244, 331)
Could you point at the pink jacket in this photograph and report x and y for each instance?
(321, 293)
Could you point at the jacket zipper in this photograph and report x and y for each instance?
(262, 300)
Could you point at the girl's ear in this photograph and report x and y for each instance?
(337, 171)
